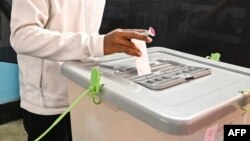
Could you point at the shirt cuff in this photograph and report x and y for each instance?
(98, 46)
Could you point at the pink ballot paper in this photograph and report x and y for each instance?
(142, 63)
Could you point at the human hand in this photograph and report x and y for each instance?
(119, 40)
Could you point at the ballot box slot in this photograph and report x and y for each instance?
(165, 73)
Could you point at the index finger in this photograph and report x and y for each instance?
(136, 30)
(136, 35)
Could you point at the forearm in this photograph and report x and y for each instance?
(43, 43)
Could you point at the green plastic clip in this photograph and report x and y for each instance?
(95, 85)
(214, 56)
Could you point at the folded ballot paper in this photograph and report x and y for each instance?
(142, 63)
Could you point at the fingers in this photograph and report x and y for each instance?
(130, 51)
(128, 44)
(128, 47)
(136, 30)
(136, 34)
(125, 42)
(119, 40)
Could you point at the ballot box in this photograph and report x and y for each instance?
(185, 98)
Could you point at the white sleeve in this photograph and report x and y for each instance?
(29, 36)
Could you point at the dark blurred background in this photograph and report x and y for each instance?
(10, 109)
(7, 54)
(199, 27)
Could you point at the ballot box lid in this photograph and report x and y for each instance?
(181, 109)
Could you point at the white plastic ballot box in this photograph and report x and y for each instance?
(186, 98)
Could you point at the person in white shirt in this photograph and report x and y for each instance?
(44, 32)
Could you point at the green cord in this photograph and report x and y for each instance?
(64, 114)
